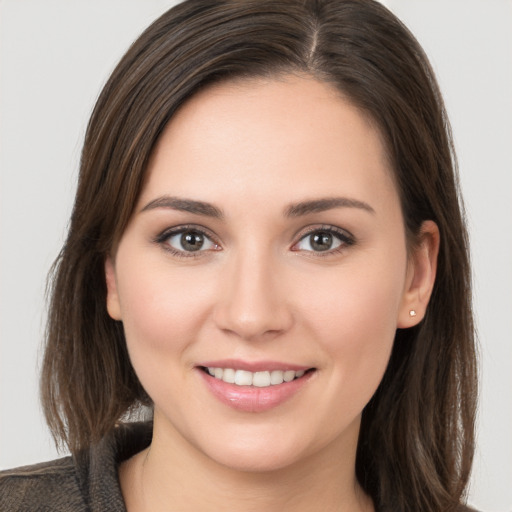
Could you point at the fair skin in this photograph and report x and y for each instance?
(268, 236)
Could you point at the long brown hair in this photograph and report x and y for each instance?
(416, 442)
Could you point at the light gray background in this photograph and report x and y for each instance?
(54, 57)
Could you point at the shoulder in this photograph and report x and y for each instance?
(87, 481)
(43, 487)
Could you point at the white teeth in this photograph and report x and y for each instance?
(229, 375)
(288, 375)
(276, 377)
(261, 379)
(243, 378)
(257, 379)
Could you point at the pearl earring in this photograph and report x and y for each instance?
(412, 313)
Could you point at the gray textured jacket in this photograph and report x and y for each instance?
(86, 483)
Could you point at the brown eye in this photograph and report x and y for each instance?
(192, 241)
(321, 241)
(187, 241)
(324, 240)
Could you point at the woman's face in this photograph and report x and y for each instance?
(267, 245)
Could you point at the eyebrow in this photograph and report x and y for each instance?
(185, 205)
(294, 210)
(324, 204)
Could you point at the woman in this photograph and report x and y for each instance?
(267, 251)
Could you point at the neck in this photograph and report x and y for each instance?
(173, 475)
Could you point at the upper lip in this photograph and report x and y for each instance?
(253, 366)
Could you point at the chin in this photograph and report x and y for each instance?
(256, 460)
(264, 450)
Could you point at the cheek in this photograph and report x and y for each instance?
(161, 308)
(354, 320)
(358, 330)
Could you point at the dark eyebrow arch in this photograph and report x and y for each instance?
(185, 205)
(324, 204)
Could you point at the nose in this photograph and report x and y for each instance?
(253, 302)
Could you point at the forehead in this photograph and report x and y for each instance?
(259, 138)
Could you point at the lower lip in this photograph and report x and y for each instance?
(251, 398)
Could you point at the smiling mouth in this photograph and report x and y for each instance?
(261, 379)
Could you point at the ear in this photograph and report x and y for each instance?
(113, 305)
(421, 275)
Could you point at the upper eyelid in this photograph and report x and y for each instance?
(308, 230)
(164, 236)
(176, 230)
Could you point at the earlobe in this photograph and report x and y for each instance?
(113, 306)
(421, 275)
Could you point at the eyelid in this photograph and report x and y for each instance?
(346, 238)
(167, 233)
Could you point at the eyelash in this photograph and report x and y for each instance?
(345, 238)
(163, 238)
